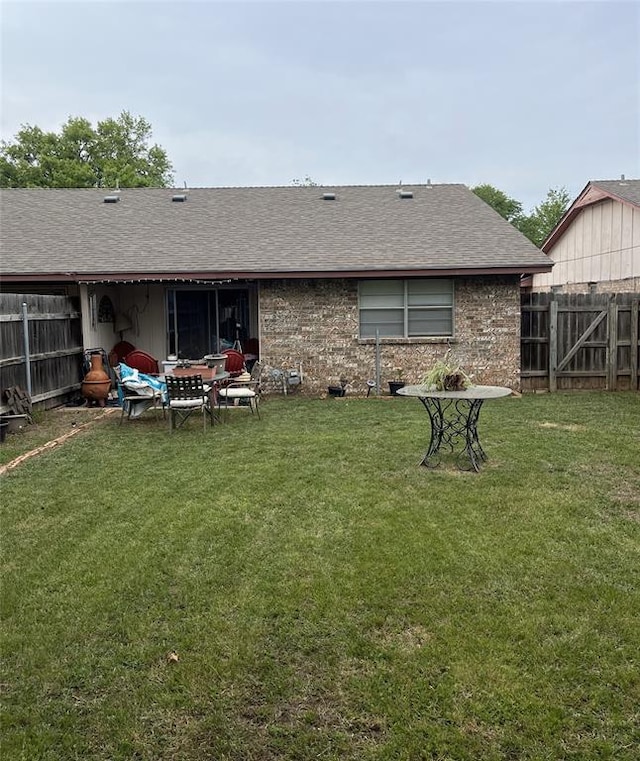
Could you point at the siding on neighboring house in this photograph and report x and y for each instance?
(315, 322)
(599, 251)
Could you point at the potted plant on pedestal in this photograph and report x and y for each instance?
(446, 376)
(398, 381)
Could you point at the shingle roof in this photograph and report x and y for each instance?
(628, 190)
(257, 232)
(595, 191)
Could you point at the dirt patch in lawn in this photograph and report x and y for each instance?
(49, 429)
(563, 426)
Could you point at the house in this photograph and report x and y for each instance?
(596, 244)
(315, 278)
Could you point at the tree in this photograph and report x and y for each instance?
(536, 226)
(114, 153)
(307, 182)
(506, 207)
(546, 215)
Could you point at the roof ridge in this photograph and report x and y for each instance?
(259, 187)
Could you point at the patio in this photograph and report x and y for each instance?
(297, 587)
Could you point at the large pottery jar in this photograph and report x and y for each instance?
(96, 384)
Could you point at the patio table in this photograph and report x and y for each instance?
(454, 421)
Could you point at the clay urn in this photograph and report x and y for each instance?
(96, 383)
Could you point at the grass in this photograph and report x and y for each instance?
(298, 588)
(47, 426)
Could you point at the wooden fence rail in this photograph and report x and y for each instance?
(579, 341)
(54, 330)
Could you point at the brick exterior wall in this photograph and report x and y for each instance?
(628, 285)
(315, 323)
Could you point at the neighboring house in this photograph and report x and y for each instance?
(306, 275)
(596, 245)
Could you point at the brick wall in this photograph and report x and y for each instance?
(628, 285)
(315, 323)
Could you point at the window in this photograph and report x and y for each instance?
(406, 308)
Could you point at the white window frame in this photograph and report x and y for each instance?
(407, 308)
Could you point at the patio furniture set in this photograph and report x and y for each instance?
(219, 382)
(187, 388)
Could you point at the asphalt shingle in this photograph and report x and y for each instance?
(628, 190)
(279, 230)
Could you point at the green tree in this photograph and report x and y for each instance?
(536, 226)
(114, 152)
(545, 216)
(506, 207)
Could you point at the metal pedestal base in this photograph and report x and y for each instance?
(454, 423)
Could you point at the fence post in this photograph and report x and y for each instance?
(27, 351)
(553, 344)
(633, 354)
(612, 348)
(377, 362)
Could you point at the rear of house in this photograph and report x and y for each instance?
(306, 278)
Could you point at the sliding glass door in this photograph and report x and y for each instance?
(205, 321)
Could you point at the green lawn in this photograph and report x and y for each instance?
(325, 597)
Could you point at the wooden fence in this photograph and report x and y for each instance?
(54, 329)
(579, 341)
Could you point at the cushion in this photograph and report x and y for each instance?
(185, 404)
(237, 393)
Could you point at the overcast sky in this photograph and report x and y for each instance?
(522, 95)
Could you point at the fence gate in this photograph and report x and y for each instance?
(579, 341)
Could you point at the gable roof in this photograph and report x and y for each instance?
(595, 191)
(72, 234)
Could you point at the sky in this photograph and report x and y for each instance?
(525, 96)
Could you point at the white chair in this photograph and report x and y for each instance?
(239, 391)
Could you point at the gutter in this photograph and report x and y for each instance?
(217, 277)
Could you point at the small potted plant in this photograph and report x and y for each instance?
(339, 391)
(398, 381)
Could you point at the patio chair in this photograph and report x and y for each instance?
(242, 391)
(135, 395)
(187, 394)
(142, 361)
(235, 362)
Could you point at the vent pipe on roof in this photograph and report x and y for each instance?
(622, 177)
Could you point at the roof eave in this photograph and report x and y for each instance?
(128, 277)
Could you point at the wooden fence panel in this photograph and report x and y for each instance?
(55, 345)
(578, 341)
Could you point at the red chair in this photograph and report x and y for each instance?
(119, 352)
(235, 362)
(142, 361)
